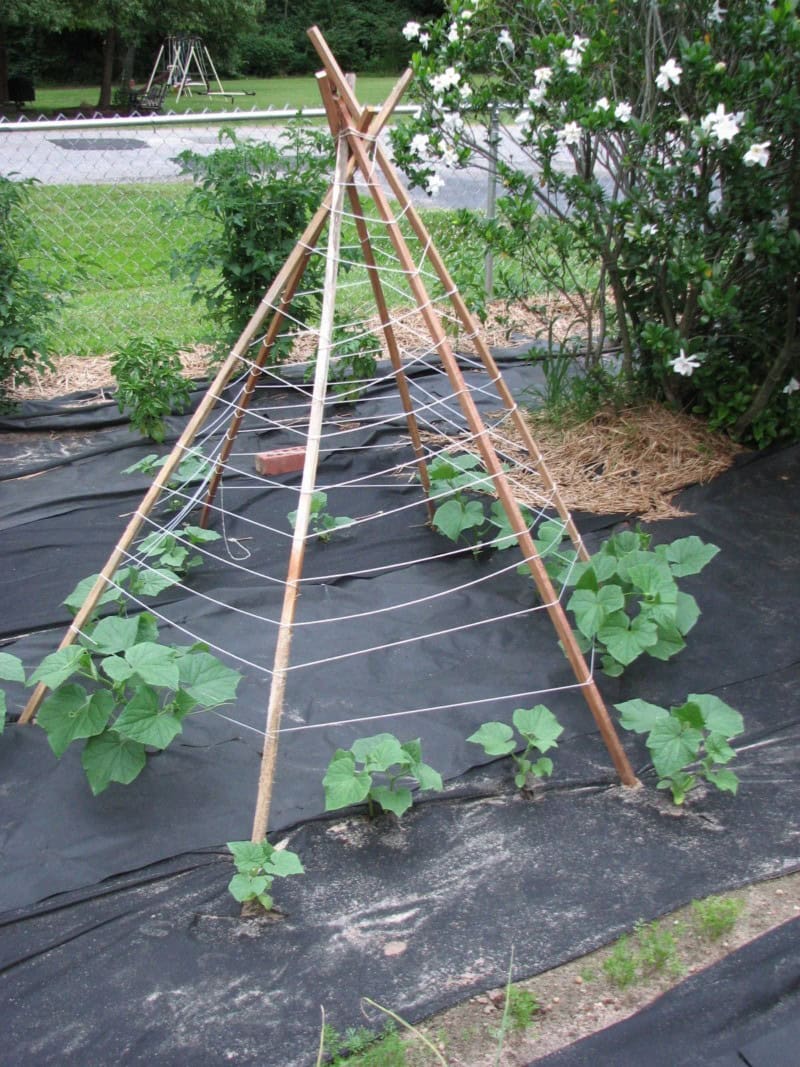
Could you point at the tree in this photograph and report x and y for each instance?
(23, 15)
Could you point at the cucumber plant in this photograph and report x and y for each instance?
(376, 769)
(321, 522)
(11, 670)
(698, 731)
(257, 864)
(539, 729)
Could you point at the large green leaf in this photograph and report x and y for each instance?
(152, 581)
(283, 863)
(718, 748)
(114, 634)
(396, 800)
(427, 776)
(143, 720)
(723, 779)
(626, 643)
(70, 713)
(539, 726)
(244, 887)
(11, 669)
(343, 784)
(117, 668)
(209, 682)
(592, 608)
(110, 757)
(673, 745)
(496, 738)
(689, 555)
(147, 627)
(454, 517)
(654, 580)
(639, 716)
(76, 598)
(154, 664)
(198, 536)
(54, 669)
(380, 752)
(687, 612)
(719, 717)
(250, 856)
(669, 642)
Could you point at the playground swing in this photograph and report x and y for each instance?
(184, 63)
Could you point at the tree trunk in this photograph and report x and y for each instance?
(3, 67)
(109, 53)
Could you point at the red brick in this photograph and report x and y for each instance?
(280, 461)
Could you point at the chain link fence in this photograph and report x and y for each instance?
(108, 202)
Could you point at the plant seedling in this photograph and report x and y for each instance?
(384, 763)
(321, 522)
(698, 730)
(150, 384)
(539, 729)
(173, 550)
(258, 863)
(522, 1006)
(716, 916)
(11, 670)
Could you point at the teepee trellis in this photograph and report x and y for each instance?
(355, 130)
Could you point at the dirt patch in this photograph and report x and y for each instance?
(579, 998)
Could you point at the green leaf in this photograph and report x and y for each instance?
(593, 608)
(413, 750)
(147, 628)
(639, 716)
(154, 664)
(250, 856)
(542, 768)
(182, 704)
(343, 784)
(718, 748)
(283, 863)
(611, 667)
(724, 779)
(243, 887)
(70, 713)
(114, 634)
(680, 784)
(538, 726)
(689, 555)
(76, 598)
(496, 738)
(379, 753)
(669, 642)
(152, 581)
(112, 758)
(11, 669)
(604, 566)
(690, 714)
(198, 536)
(673, 745)
(625, 644)
(687, 612)
(54, 669)
(653, 579)
(206, 680)
(718, 717)
(394, 800)
(143, 720)
(454, 517)
(549, 536)
(428, 777)
(117, 668)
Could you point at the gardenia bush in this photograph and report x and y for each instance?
(657, 143)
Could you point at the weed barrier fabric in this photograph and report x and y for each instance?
(418, 915)
(742, 1012)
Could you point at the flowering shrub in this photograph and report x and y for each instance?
(659, 143)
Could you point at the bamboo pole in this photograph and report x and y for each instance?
(552, 604)
(284, 640)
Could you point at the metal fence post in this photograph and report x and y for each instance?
(493, 140)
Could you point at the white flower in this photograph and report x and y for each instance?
(579, 43)
(465, 90)
(669, 73)
(717, 12)
(420, 145)
(780, 221)
(719, 68)
(791, 386)
(434, 184)
(570, 134)
(685, 365)
(537, 94)
(466, 14)
(649, 229)
(623, 111)
(424, 39)
(602, 104)
(542, 75)
(504, 40)
(449, 154)
(720, 124)
(449, 79)
(523, 118)
(757, 155)
(411, 30)
(452, 33)
(573, 57)
(749, 252)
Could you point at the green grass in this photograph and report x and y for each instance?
(112, 244)
(268, 92)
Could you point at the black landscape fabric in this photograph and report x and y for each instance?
(416, 915)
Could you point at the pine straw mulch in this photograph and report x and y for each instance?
(629, 462)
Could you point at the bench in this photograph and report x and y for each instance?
(151, 99)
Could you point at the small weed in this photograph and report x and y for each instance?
(150, 385)
(716, 916)
(362, 1047)
(588, 974)
(620, 964)
(522, 1006)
